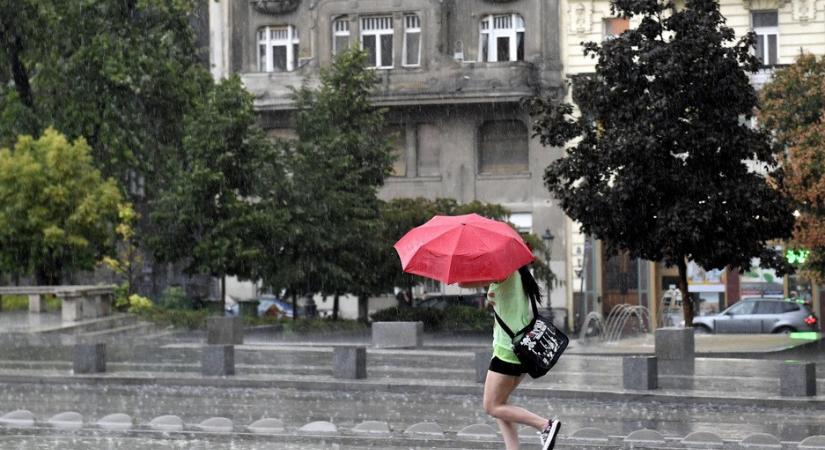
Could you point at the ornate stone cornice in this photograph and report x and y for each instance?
(764, 4)
(275, 7)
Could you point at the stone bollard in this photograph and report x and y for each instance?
(482, 363)
(89, 358)
(397, 334)
(675, 352)
(640, 372)
(797, 379)
(218, 360)
(224, 330)
(349, 363)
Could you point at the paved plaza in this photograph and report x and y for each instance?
(412, 398)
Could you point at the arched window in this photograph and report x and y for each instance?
(278, 49)
(503, 147)
(501, 38)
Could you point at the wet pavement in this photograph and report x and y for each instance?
(290, 378)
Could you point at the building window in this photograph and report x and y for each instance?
(278, 49)
(398, 150)
(766, 28)
(412, 40)
(615, 26)
(502, 38)
(428, 146)
(340, 35)
(503, 147)
(376, 40)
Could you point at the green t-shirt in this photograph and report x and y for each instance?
(513, 306)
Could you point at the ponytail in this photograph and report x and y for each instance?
(528, 283)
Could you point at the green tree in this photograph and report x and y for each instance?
(214, 215)
(665, 168)
(337, 164)
(793, 109)
(120, 74)
(57, 213)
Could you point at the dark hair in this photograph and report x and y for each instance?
(531, 288)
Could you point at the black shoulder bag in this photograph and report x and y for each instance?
(538, 345)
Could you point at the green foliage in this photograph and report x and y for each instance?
(120, 74)
(337, 165)
(139, 304)
(57, 213)
(122, 297)
(453, 318)
(793, 109)
(308, 326)
(173, 297)
(661, 169)
(21, 303)
(191, 319)
(127, 258)
(224, 209)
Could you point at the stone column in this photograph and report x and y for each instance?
(640, 373)
(71, 306)
(89, 358)
(349, 363)
(36, 303)
(675, 351)
(224, 330)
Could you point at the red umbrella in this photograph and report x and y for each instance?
(462, 249)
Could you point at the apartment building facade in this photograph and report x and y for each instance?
(452, 73)
(597, 282)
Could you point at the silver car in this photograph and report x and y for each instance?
(760, 315)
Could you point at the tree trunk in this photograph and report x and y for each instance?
(363, 308)
(335, 307)
(687, 302)
(14, 50)
(223, 295)
(410, 298)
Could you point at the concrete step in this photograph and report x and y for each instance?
(90, 325)
(135, 329)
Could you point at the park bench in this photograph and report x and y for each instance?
(76, 302)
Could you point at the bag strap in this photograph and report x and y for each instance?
(528, 326)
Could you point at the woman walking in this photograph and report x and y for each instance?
(511, 300)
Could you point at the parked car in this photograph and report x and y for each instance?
(270, 305)
(760, 315)
(444, 301)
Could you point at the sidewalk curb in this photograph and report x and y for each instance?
(332, 384)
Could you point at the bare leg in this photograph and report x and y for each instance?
(497, 390)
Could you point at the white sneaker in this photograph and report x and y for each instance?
(548, 435)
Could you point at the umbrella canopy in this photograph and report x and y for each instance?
(463, 249)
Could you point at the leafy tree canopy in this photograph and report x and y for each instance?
(793, 109)
(57, 213)
(336, 165)
(215, 215)
(120, 74)
(665, 168)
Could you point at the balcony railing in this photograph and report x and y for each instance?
(764, 75)
(452, 82)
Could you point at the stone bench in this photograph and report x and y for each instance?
(397, 334)
(76, 302)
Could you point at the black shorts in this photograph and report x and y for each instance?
(506, 368)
